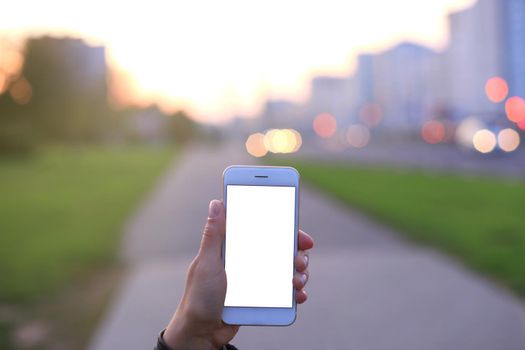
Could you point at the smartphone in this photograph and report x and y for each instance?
(262, 215)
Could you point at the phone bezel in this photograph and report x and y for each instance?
(262, 176)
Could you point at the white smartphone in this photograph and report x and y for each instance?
(262, 218)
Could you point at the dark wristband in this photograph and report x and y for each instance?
(161, 344)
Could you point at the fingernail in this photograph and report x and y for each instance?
(214, 209)
(304, 278)
(306, 260)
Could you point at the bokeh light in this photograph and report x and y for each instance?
(370, 114)
(521, 124)
(508, 140)
(496, 89)
(325, 125)
(268, 140)
(255, 145)
(466, 130)
(21, 91)
(358, 135)
(515, 109)
(298, 139)
(282, 141)
(484, 141)
(275, 141)
(433, 131)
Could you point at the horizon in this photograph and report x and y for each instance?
(233, 69)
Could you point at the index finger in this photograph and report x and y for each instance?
(304, 241)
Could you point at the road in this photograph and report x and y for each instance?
(368, 288)
(419, 155)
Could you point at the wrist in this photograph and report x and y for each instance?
(182, 334)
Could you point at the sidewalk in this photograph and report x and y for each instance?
(368, 289)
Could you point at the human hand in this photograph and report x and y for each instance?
(197, 322)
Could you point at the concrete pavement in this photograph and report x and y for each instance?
(368, 288)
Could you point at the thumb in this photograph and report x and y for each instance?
(213, 234)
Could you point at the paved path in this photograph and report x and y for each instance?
(368, 289)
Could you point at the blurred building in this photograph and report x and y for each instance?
(399, 86)
(279, 113)
(363, 82)
(475, 54)
(515, 39)
(403, 85)
(334, 95)
(486, 40)
(407, 84)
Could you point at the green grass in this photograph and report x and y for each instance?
(4, 336)
(480, 220)
(62, 212)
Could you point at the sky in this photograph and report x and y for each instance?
(217, 59)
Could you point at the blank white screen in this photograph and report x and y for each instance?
(259, 245)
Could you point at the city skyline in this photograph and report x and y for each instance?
(235, 67)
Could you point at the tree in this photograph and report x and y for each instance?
(68, 80)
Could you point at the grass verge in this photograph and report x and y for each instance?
(61, 216)
(478, 219)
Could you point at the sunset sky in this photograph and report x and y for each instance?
(220, 58)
